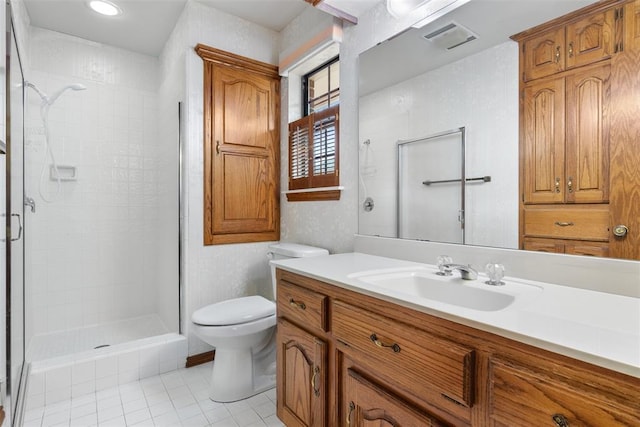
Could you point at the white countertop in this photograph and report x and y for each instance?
(595, 327)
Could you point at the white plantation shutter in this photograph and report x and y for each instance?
(313, 150)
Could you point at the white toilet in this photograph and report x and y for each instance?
(242, 330)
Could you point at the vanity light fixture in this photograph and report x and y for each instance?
(105, 7)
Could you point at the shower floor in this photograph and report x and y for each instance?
(65, 343)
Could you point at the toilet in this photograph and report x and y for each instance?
(242, 330)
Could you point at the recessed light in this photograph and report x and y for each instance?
(105, 7)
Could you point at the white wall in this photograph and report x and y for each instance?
(479, 92)
(213, 273)
(93, 252)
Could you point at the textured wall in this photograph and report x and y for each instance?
(213, 273)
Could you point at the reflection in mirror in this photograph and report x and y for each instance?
(423, 82)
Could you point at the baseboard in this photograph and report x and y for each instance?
(199, 359)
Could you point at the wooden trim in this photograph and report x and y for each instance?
(561, 21)
(211, 54)
(314, 196)
(199, 359)
(333, 11)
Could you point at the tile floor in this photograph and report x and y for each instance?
(177, 398)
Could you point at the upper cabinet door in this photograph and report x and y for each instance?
(241, 149)
(587, 146)
(590, 39)
(631, 15)
(544, 133)
(544, 55)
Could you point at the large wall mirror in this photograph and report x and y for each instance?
(458, 72)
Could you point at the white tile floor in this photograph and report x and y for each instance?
(177, 398)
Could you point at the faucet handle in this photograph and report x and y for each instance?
(443, 260)
(495, 273)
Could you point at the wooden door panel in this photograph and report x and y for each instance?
(246, 112)
(544, 142)
(301, 376)
(632, 26)
(625, 154)
(590, 40)
(587, 148)
(369, 405)
(243, 176)
(544, 55)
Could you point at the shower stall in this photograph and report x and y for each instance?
(94, 186)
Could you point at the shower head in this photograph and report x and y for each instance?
(49, 100)
(55, 96)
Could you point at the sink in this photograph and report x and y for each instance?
(452, 290)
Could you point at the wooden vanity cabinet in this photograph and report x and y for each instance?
(421, 370)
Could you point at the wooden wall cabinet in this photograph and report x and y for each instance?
(384, 364)
(241, 148)
(566, 138)
(578, 135)
(581, 42)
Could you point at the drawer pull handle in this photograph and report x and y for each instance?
(352, 406)
(300, 305)
(564, 224)
(395, 347)
(560, 420)
(314, 379)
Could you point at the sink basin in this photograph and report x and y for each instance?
(424, 283)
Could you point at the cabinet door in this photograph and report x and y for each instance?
(301, 376)
(368, 405)
(587, 248)
(543, 245)
(631, 14)
(241, 149)
(544, 132)
(522, 397)
(544, 55)
(590, 39)
(587, 146)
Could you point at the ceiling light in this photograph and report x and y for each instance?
(400, 8)
(105, 7)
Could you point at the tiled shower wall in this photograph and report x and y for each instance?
(92, 251)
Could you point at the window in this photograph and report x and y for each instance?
(321, 87)
(313, 140)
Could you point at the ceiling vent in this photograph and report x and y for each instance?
(450, 36)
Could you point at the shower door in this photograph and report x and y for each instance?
(14, 216)
(431, 185)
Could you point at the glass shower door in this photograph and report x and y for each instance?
(431, 188)
(14, 176)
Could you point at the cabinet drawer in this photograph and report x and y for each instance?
(418, 360)
(306, 307)
(582, 222)
(520, 397)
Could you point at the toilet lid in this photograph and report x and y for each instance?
(234, 311)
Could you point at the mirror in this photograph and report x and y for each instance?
(419, 84)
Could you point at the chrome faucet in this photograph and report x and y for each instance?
(466, 271)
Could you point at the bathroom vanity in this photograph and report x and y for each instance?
(352, 349)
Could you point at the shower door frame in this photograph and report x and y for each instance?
(463, 178)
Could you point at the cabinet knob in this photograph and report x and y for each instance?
(570, 185)
(560, 420)
(620, 230)
(571, 50)
(557, 54)
(557, 185)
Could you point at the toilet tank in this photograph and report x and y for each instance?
(290, 250)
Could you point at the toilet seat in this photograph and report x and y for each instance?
(236, 311)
